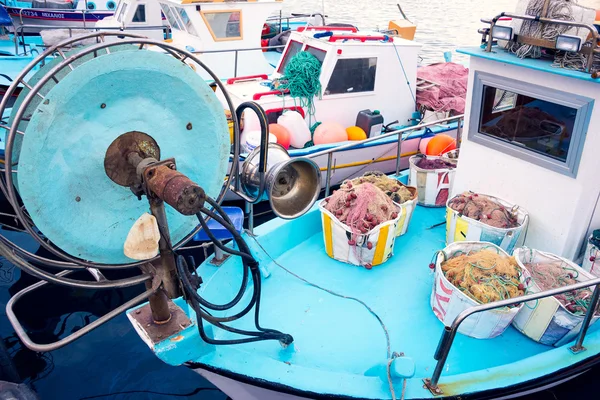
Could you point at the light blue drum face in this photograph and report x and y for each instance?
(61, 168)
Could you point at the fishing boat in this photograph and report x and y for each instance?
(32, 16)
(276, 316)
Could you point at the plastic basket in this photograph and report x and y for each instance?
(546, 320)
(337, 236)
(447, 301)
(461, 228)
(433, 185)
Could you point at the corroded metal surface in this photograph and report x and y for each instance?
(159, 332)
(174, 188)
(116, 163)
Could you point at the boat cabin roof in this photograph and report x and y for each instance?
(543, 65)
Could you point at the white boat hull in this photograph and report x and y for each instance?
(76, 19)
(237, 390)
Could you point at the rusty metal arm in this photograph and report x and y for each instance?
(22, 334)
(443, 349)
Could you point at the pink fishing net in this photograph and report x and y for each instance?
(451, 93)
(551, 275)
(361, 207)
(484, 209)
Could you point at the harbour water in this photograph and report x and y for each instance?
(112, 362)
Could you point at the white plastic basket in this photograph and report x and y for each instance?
(336, 236)
(406, 211)
(433, 185)
(447, 301)
(546, 320)
(461, 228)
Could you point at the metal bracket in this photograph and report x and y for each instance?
(577, 349)
(435, 390)
(159, 332)
(219, 257)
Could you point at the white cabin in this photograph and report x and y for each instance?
(359, 71)
(216, 28)
(532, 134)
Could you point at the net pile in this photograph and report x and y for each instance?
(485, 276)
(426, 163)
(566, 10)
(552, 275)
(450, 91)
(393, 188)
(485, 210)
(361, 207)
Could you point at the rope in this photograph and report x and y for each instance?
(404, 72)
(390, 356)
(302, 79)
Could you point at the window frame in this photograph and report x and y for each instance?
(210, 29)
(135, 12)
(350, 94)
(583, 105)
(189, 25)
(281, 67)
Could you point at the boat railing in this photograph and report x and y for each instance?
(588, 51)
(21, 29)
(403, 134)
(449, 333)
(279, 19)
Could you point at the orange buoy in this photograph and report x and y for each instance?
(440, 144)
(356, 133)
(330, 132)
(598, 16)
(282, 134)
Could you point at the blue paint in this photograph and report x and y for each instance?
(502, 56)
(4, 17)
(339, 347)
(62, 157)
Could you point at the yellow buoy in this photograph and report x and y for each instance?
(356, 133)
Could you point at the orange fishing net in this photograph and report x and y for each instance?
(485, 276)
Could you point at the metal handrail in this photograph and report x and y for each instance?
(591, 28)
(400, 133)
(30, 344)
(443, 349)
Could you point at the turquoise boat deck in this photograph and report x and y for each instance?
(339, 347)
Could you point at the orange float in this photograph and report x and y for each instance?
(330, 132)
(440, 144)
(282, 134)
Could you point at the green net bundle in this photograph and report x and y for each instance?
(393, 188)
(485, 275)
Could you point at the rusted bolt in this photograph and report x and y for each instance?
(103, 105)
(78, 199)
(172, 166)
(138, 311)
(189, 126)
(46, 101)
(159, 335)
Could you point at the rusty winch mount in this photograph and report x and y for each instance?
(133, 160)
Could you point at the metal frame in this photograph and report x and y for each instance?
(449, 333)
(583, 105)
(589, 51)
(9, 189)
(24, 337)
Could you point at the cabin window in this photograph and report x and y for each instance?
(544, 126)
(140, 14)
(122, 12)
(168, 12)
(353, 75)
(292, 49)
(187, 22)
(318, 53)
(224, 25)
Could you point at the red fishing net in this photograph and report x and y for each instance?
(484, 209)
(451, 91)
(393, 188)
(361, 207)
